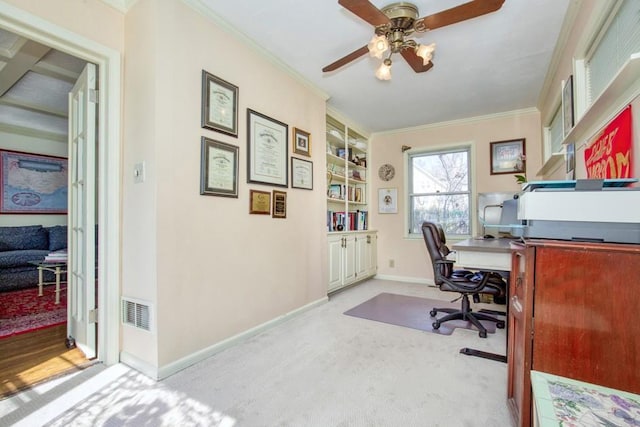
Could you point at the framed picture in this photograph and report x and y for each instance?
(567, 106)
(388, 200)
(33, 183)
(301, 174)
(267, 145)
(218, 169)
(219, 105)
(508, 156)
(279, 204)
(259, 202)
(301, 142)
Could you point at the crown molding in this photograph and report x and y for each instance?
(34, 133)
(200, 7)
(120, 5)
(460, 122)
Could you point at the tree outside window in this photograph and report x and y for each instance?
(439, 190)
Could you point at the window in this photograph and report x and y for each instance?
(440, 190)
(555, 133)
(618, 42)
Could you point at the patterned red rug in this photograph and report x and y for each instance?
(24, 311)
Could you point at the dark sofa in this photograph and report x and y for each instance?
(19, 245)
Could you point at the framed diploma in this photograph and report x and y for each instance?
(301, 142)
(301, 174)
(259, 202)
(267, 146)
(219, 105)
(279, 204)
(218, 169)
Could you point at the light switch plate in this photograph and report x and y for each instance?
(138, 173)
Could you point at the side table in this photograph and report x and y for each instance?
(57, 268)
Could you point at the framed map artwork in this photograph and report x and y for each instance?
(32, 183)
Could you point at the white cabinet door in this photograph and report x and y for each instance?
(350, 259)
(372, 254)
(362, 255)
(336, 261)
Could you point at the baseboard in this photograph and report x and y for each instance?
(180, 364)
(139, 365)
(405, 279)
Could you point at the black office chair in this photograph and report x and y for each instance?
(448, 280)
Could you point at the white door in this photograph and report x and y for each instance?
(81, 319)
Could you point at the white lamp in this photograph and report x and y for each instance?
(384, 71)
(425, 52)
(378, 46)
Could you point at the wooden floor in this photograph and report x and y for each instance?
(34, 357)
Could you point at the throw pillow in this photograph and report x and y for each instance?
(24, 237)
(57, 237)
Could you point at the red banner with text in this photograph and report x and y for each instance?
(609, 153)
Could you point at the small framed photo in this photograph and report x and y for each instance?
(259, 202)
(508, 156)
(218, 169)
(301, 142)
(279, 204)
(567, 106)
(267, 153)
(219, 105)
(570, 160)
(388, 200)
(301, 174)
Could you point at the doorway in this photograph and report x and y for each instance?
(108, 63)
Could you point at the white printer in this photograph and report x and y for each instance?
(585, 210)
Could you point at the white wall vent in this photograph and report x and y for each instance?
(136, 313)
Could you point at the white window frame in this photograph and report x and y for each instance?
(461, 146)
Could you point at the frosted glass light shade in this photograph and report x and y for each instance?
(426, 52)
(384, 71)
(378, 46)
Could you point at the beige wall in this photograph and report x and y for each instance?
(409, 254)
(211, 269)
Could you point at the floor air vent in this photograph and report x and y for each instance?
(136, 313)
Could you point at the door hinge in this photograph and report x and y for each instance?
(93, 96)
(93, 316)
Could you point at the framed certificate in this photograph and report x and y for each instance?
(301, 174)
(219, 105)
(218, 169)
(267, 146)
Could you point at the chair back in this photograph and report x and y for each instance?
(434, 244)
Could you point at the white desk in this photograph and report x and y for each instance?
(483, 254)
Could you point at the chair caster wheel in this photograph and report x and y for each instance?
(500, 325)
(436, 325)
(433, 313)
(483, 334)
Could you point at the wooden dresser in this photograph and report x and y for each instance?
(574, 311)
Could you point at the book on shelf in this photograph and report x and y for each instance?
(336, 221)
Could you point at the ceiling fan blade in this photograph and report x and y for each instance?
(460, 13)
(415, 61)
(366, 11)
(346, 59)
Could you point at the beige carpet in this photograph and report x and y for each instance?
(321, 368)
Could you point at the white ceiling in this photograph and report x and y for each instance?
(491, 64)
(34, 84)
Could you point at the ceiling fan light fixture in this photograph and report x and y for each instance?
(384, 70)
(378, 46)
(425, 52)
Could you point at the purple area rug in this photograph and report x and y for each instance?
(411, 312)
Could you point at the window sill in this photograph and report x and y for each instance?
(551, 164)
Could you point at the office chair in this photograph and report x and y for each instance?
(448, 280)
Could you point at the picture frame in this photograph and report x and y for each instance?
(267, 146)
(279, 209)
(18, 172)
(259, 202)
(570, 160)
(218, 168)
(301, 174)
(508, 156)
(219, 109)
(567, 106)
(388, 200)
(301, 142)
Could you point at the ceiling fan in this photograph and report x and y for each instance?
(396, 22)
